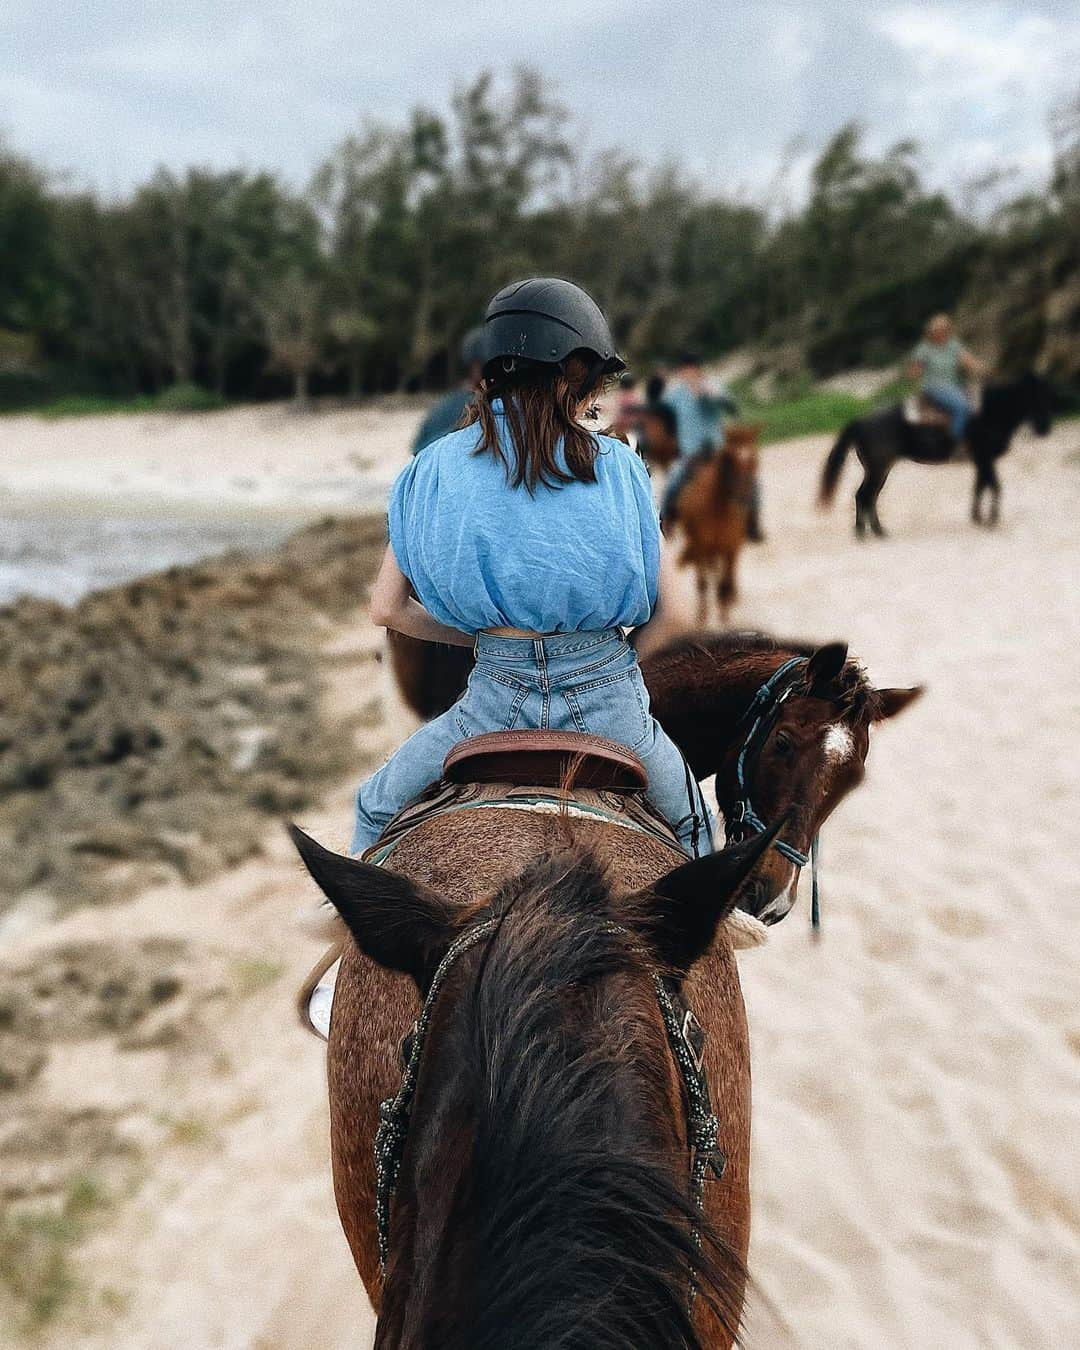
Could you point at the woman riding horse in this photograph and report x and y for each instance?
(535, 541)
(943, 366)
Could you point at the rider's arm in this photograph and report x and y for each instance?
(971, 365)
(393, 606)
(914, 369)
(669, 618)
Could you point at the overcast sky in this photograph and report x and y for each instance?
(105, 90)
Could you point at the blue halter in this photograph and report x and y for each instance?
(763, 710)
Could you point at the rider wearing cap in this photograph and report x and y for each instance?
(535, 541)
(447, 413)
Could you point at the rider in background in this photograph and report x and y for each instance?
(943, 365)
(535, 541)
(446, 414)
(699, 410)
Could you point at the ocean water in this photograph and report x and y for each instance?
(62, 555)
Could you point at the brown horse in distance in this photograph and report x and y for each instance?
(713, 508)
(658, 442)
(700, 689)
(543, 1196)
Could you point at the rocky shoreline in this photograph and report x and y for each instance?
(152, 730)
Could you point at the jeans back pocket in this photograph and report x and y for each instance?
(616, 708)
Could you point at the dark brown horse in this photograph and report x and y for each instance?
(658, 442)
(543, 1189)
(701, 690)
(713, 509)
(808, 750)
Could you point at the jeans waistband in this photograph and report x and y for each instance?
(556, 644)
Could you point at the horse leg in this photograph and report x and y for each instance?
(876, 477)
(986, 480)
(861, 507)
(995, 494)
(703, 595)
(866, 502)
(725, 587)
(977, 493)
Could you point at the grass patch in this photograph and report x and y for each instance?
(177, 398)
(802, 409)
(813, 414)
(36, 1250)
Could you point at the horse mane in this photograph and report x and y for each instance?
(742, 652)
(580, 1232)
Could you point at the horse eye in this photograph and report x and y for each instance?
(785, 741)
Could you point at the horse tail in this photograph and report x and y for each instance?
(834, 465)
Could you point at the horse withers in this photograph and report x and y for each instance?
(881, 438)
(566, 1159)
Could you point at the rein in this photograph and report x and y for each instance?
(395, 1112)
(763, 711)
(687, 1041)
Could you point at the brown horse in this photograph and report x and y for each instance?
(657, 439)
(522, 1213)
(701, 689)
(802, 748)
(542, 1190)
(713, 508)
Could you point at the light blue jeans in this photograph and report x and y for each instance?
(955, 403)
(569, 682)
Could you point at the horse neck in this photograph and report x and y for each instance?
(700, 696)
(1003, 408)
(553, 1197)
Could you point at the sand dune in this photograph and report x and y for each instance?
(916, 1072)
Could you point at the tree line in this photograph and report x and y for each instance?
(235, 283)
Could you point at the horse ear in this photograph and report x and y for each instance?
(399, 923)
(826, 664)
(893, 701)
(686, 906)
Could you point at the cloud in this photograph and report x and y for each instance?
(735, 91)
(978, 82)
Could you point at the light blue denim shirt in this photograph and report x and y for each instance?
(483, 554)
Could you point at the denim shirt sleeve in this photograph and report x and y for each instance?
(395, 513)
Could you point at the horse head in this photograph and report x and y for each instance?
(810, 757)
(793, 750)
(537, 1154)
(738, 457)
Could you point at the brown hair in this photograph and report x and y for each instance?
(541, 404)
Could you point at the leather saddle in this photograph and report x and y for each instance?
(551, 759)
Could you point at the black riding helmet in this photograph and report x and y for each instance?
(544, 320)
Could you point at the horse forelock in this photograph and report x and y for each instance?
(578, 1211)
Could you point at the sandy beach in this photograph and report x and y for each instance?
(916, 1073)
(260, 458)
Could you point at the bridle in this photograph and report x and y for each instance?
(685, 1036)
(759, 718)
